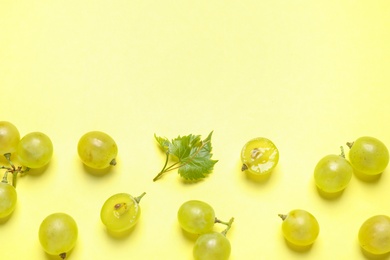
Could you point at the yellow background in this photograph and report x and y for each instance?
(309, 75)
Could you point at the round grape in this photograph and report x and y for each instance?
(121, 212)
(196, 217)
(8, 198)
(212, 246)
(9, 138)
(368, 155)
(300, 227)
(97, 150)
(332, 173)
(58, 234)
(259, 156)
(35, 150)
(374, 235)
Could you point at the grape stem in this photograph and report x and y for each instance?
(228, 224)
(173, 166)
(12, 169)
(138, 199)
(349, 144)
(282, 216)
(342, 152)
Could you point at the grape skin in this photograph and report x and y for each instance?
(300, 227)
(332, 173)
(35, 150)
(9, 137)
(259, 156)
(196, 217)
(368, 155)
(58, 234)
(212, 246)
(374, 235)
(8, 199)
(97, 150)
(120, 212)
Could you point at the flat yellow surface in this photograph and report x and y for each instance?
(309, 75)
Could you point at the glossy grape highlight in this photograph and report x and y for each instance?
(374, 235)
(9, 138)
(8, 199)
(196, 217)
(35, 150)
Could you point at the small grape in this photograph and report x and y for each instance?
(35, 150)
(196, 217)
(368, 155)
(97, 150)
(259, 156)
(121, 212)
(9, 137)
(374, 235)
(58, 234)
(8, 198)
(332, 173)
(213, 245)
(300, 227)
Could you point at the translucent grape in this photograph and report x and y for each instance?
(121, 212)
(368, 155)
(8, 198)
(35, 150)
(300, 227)
(58, 234)
(97, 150)
(9, 137)
(259, 156)
(374, 235)
(212, 246)
(332, 173)
(196, 217)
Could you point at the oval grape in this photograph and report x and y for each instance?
(35, 150)
(9, 138)
(374, 235)
(8, 199)
(212, 246)
(196, 217)
(259, 156)
(300, 227)
(333, 173)
(97, 150)
(58, 234)
(368, 155)
(121, 212)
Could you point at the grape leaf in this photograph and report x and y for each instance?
(193, 156)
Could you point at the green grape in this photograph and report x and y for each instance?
(374, 235)
(8, 198)
(35, 150)
(9, 137)
(212, 246)
(97, 150)
(368, 155)
(332, 173)
(58, 234)
(259, 156)
(196, 217)
(121, 212)
(300, 227)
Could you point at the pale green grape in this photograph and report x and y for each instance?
(212, 246)
(35, 150)
(368, 155)
(9, 137)
(196, 217)
(259, 156)
(97, 150)
(58, 234)
(121, 212)
(300, 227)
(374, 235)
(332, 173)
(8, 198)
